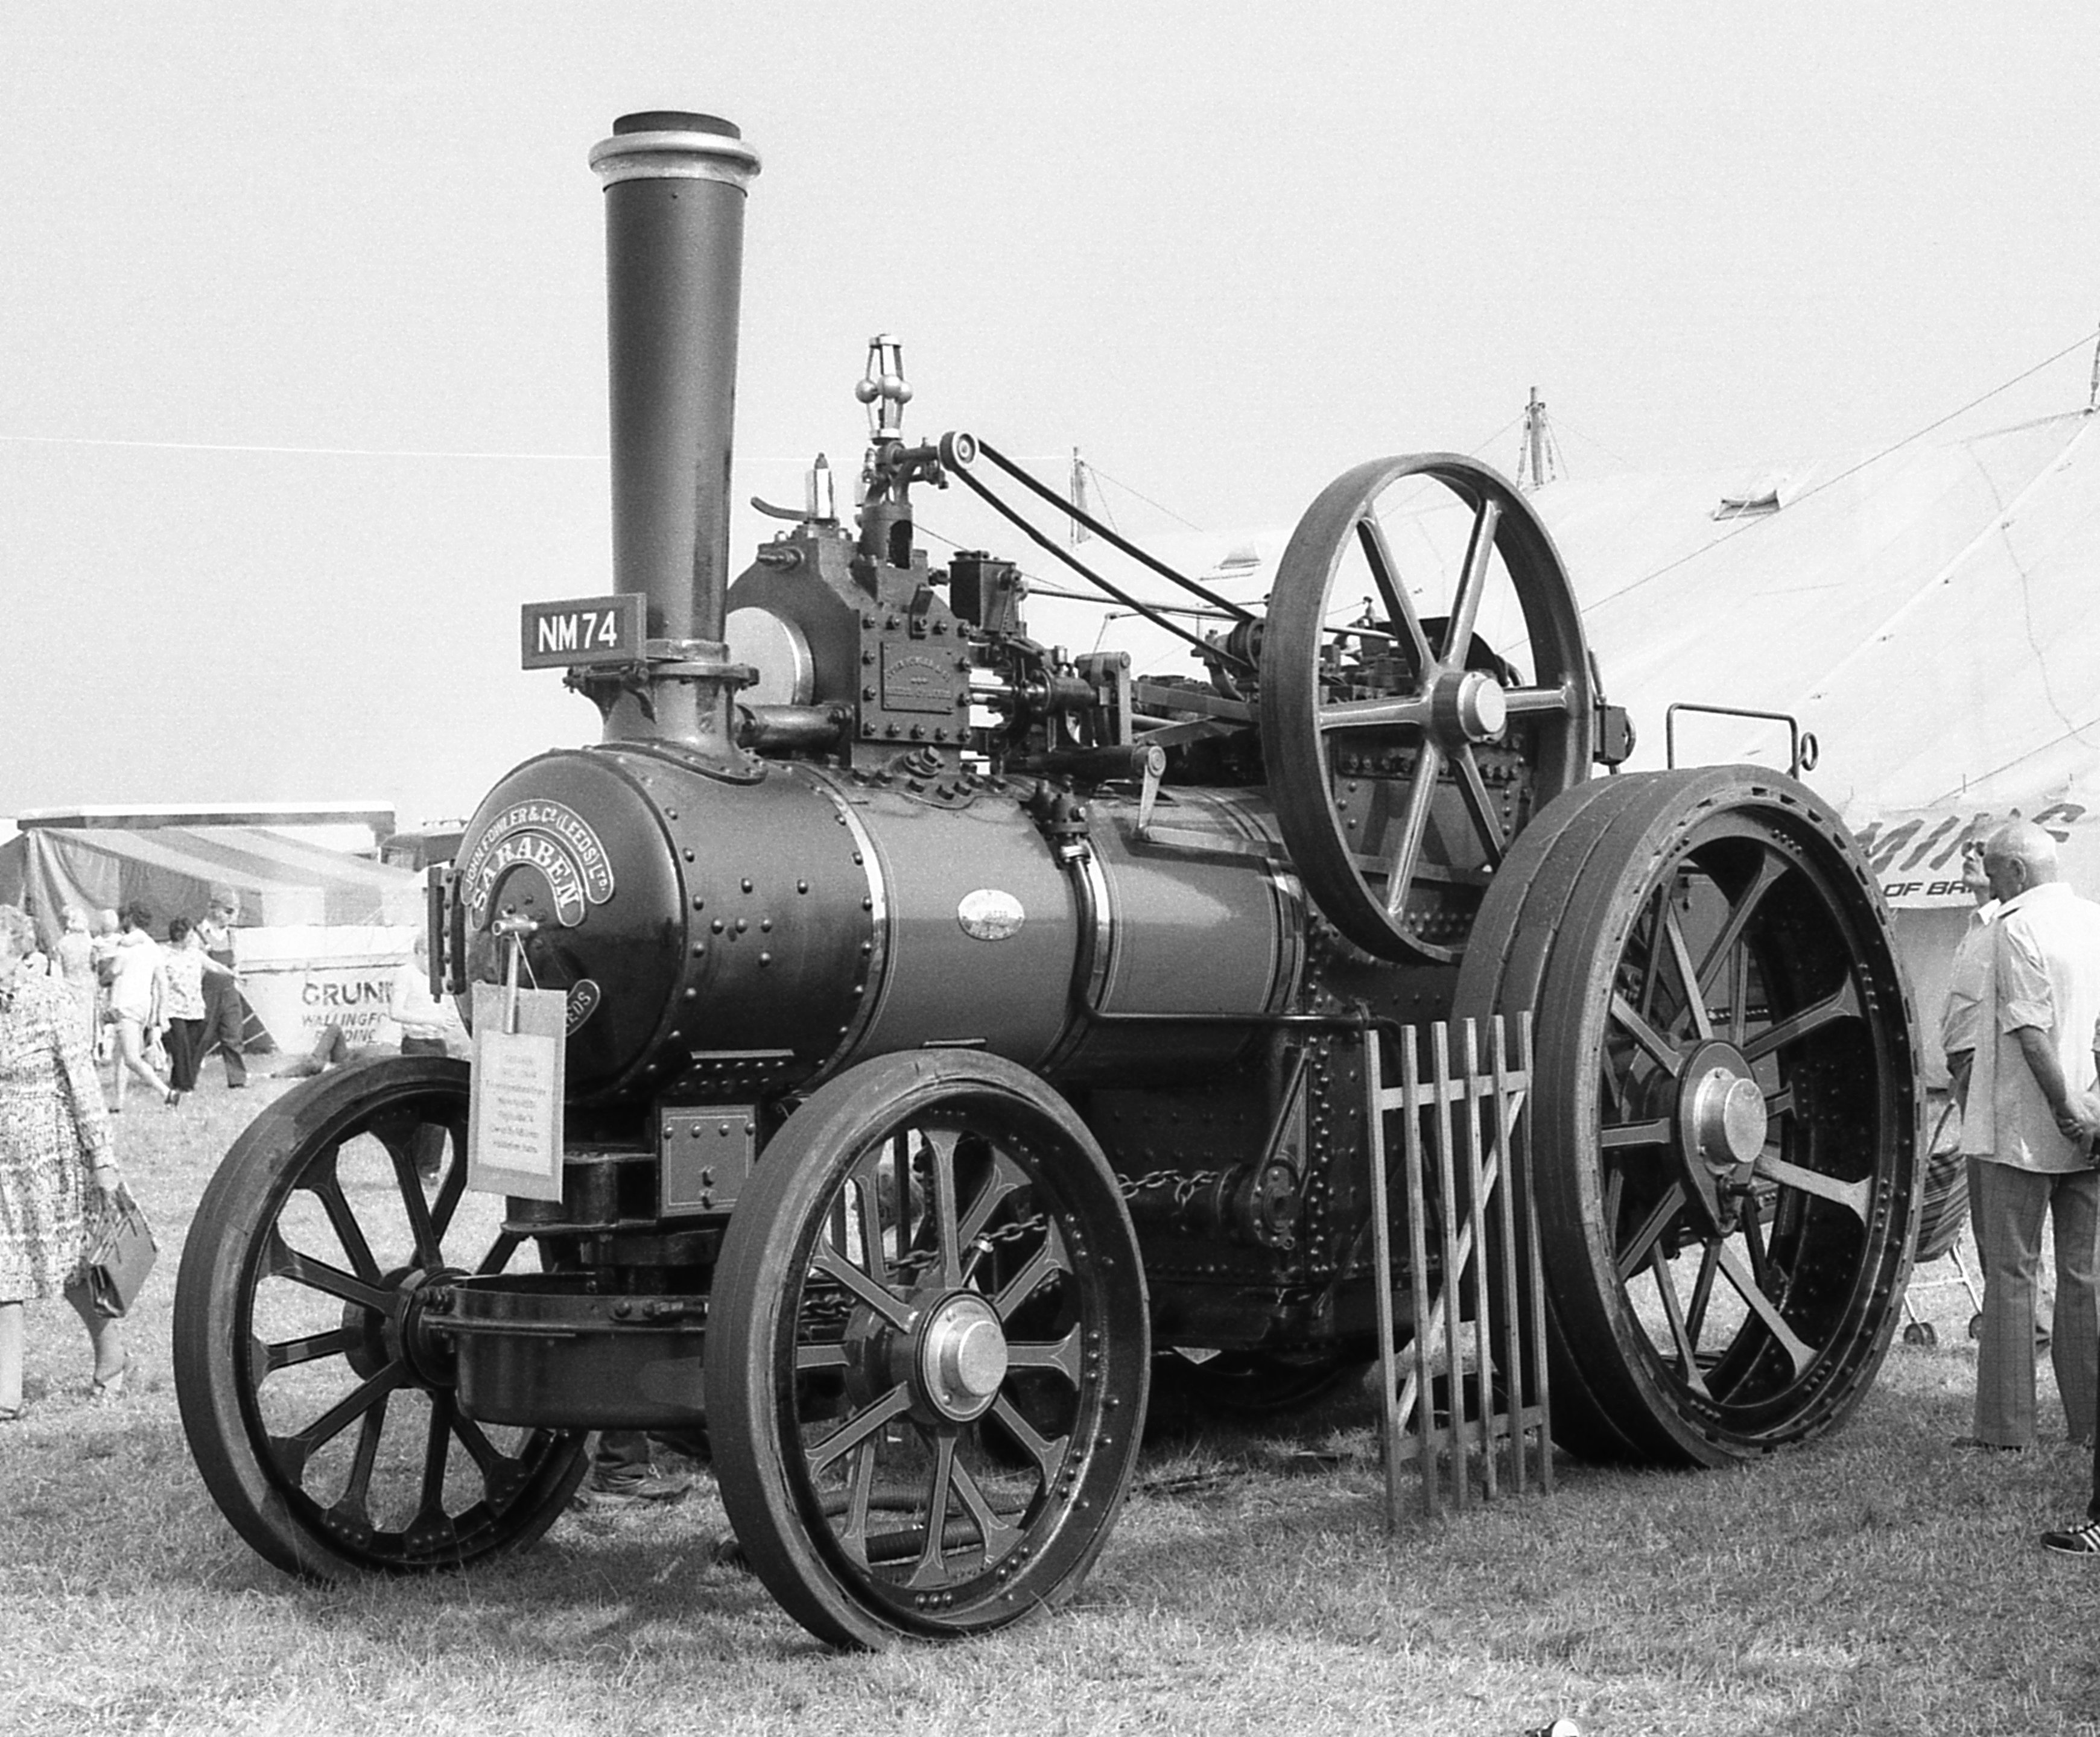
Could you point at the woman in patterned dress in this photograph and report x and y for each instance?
(57, 1170)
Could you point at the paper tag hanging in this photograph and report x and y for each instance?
(514, 1137)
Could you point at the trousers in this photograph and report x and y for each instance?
(224, 1018)
(2014, 1204)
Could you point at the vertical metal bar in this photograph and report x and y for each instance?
(1447, 1217)
(1476, 1206)
(1511, 1296)
(1520, 1145)
(1417, 1248)
(1382, 1259)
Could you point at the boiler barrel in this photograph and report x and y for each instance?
(809, 921)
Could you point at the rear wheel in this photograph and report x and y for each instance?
(1723, 1120)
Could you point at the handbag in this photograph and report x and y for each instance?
(120, 1257)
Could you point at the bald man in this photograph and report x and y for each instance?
(2045, 1010)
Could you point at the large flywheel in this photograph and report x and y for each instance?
(1425, 690)
(928, 1351)
(1724, 1138)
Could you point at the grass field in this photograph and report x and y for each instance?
(1880, 1582)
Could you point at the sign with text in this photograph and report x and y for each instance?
(583, 630)
(514, 1130)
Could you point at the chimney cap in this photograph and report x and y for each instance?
(675, 121)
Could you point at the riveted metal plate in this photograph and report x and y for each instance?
(704, 1153)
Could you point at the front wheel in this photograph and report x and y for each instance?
(928, 1354)
(317, 1400)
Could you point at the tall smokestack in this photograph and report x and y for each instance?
(674, 197)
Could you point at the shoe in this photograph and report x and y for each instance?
(108, 1387)
(603, 1495)
(236, 1085)
(13, 1414)
(2074, 1541)
(171, 1097)
(1976, 1443)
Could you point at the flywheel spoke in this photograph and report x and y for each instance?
(1688, 1356)
(1479, 806)
(1386, 713)
(1405, 849)
(1472, 583)
(1399, 606)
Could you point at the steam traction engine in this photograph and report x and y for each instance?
(952, 1026)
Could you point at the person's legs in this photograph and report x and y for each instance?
(11, 1358)
(221, 1028)
(177, 1041)
(2074, 1211)
(131, 1042)
(105, 1338)
(2014, 1202)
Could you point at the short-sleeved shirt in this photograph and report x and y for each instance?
(183, 975)
(1962, 1022)
(2046, 970)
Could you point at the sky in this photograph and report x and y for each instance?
(303, 382)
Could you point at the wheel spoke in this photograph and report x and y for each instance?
(1687, 974)
(1400, 607)
(1657, 1131)
(1472, 582)
(437, 1452)
(1687, 1359)
(1771, 866)
(1634, 1254)
(857, 1428)
(834, 1266)
(499, 1253)
(356, 1502)
(931, 1569)
(451, 1189)
(999, 1534)
(1049, 1257)
(1386, 711)
(1766, 1311)
(947, 1245)
(286, 1261)
(488, 1460)
(860, 1487)
(292, 1452)
(1006, 1179)
(1523, 702)
(1060, 1355)
(1852, 1195)
(1048, 1454)
(1843, 1003)
(266, 1360)
(1702, 1288)
(1658, 1046)
(324, 1181)
(865, 1179)
(1479, 805)
(1414, 819)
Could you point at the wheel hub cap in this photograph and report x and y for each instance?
(1721, 1124)
(1469, 703)
(962, 1357)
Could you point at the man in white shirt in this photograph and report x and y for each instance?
(2044, 1007)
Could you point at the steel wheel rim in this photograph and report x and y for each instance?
(385, 1472)
(1812, 1004)
(1401, 874)
(872, 1505)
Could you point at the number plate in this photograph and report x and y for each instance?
(583, 630)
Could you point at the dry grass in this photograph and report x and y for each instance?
(1878, 1583)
